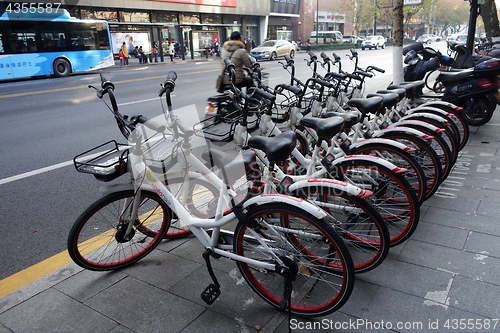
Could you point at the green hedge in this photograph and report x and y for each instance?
(334, 46)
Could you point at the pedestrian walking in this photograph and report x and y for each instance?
(171, 50)
(234, 50)
(155, 51)
(248, 46)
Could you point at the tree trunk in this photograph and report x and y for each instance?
(398, 30)
(490, 19)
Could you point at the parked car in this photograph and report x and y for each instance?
(350, 39)
(272, 49)
(458, 39)
(428, 38)
(373, 42)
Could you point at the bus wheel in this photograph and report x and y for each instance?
(61, 68)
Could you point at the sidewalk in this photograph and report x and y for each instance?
(445, 278)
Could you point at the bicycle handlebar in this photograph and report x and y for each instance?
(375, 68)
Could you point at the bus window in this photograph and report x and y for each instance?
(53, 37)
(21, 40)
(82, 39)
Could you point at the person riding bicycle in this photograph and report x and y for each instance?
(235, 51)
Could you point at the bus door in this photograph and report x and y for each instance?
(5, 72)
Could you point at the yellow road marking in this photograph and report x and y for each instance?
(37, 271)
(85, 86)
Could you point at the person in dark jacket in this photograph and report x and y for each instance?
(234, 49)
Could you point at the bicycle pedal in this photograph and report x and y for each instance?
(210, 294)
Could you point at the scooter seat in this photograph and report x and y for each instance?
(448, 78)
(325, 128)
(276, 148)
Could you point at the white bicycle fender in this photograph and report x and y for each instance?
(332, 184)
(370, 158)
(425, 115)
(443, 103)
(362, 143)
(267, 198)
(419, 123)
(380, 133)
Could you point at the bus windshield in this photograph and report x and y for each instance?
(35, 44)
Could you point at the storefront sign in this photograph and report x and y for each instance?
(219, 3)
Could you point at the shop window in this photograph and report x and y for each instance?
(164, 18)
(211, 19)
(232, 19)
(133, 16)
(111, 16)
(187, 19)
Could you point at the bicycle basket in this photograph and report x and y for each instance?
(106, 162)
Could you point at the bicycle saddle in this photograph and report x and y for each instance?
(276, 148)
(350, 118)
(325, 128)
(400, 92)
(367, 105)
(410, 88)
(389, 99)
(419, 85)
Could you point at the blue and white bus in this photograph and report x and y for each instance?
(51, 43)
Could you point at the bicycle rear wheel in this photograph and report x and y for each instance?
(392, 196)
(358, 223)
(201, 201)
(98, 240)
(325, 276)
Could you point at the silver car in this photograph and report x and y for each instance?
(373, 42)
(272, 49)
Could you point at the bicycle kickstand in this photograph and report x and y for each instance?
(210, 294)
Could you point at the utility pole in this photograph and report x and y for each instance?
(472, 26)
(397, 53)
(317, 20)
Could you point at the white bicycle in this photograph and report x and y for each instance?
(280, 243)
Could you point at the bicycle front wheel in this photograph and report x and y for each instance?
(325, 277)
(100, 240)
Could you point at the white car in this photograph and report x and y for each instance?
(373, 42)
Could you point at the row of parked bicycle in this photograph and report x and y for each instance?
(324, 182)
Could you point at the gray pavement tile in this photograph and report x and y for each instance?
(85, 284)
(458, 203)
(471, 265)
(144, 308)
(476, 297)
(361, 297)
(121, 329)
(431, 232)
(408, 278)
(169, 244)
(213, 322)
(237, 299)
(37, 286)
(162, 270)
(407, 313)
(4, 329)
(52, 311)
(483, 244)
(467, 221)
(489, 204)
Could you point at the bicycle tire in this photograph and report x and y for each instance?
(415, 175)
(392, 196)
(358, 223)
(425, 156)
(431, 79)
(325, 277)
(97, 242)
(202, 201)
(458, 119)
(440, 147)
